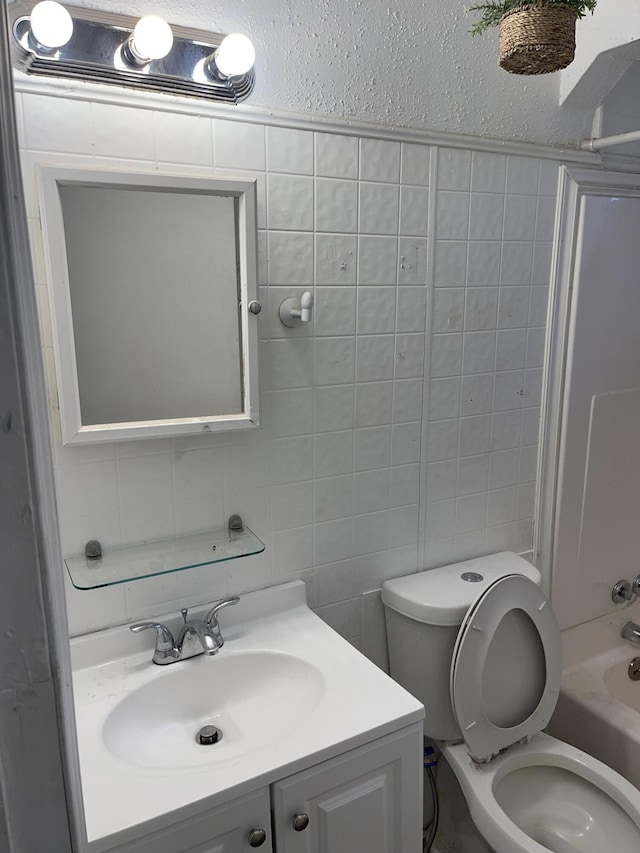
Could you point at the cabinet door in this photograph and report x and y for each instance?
(224, 829)
(368, 800)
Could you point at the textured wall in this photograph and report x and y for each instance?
(343, 468)
(411, 64)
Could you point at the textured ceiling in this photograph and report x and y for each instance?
(410, 64)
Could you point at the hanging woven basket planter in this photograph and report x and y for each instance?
(537, 39)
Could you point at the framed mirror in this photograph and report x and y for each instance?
(151, 277)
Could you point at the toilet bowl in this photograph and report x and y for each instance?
(548, 796)
(478, 643)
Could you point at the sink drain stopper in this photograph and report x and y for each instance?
(208, 735)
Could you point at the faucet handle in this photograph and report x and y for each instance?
(165, 650)
(622, 592)
(630, 631)
(164, 636)
(226, 602)
(211, 619)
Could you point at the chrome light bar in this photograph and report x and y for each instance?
(100, 50)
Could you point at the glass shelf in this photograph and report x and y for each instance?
(130, 563)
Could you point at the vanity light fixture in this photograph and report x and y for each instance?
(53, 40)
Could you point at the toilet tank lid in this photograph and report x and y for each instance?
(443, 596)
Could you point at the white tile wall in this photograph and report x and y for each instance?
(492, 260)
(331, 481)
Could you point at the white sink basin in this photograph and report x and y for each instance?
(253, 697)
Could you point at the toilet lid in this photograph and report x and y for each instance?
(506, 666)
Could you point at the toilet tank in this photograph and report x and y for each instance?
(424, 612)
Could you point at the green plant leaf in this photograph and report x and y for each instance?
(492, 12)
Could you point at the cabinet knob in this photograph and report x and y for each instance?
(300, 822)
(257, 837)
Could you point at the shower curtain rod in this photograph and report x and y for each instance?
(610, 141)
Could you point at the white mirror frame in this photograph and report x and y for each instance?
(53, 175)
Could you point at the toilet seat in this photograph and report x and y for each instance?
(506, 667)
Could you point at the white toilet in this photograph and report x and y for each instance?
(478, 643)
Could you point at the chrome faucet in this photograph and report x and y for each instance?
(630, 631)
(196, 637)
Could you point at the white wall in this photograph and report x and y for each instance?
(621, 113)
(411, 64)
(343, 470)
(31, 667)
(607, 43)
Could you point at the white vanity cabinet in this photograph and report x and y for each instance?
(368, 800)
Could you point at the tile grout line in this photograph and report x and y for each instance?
(428, 340)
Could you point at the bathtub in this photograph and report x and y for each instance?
(598, 710)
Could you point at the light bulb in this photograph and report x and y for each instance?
(152, 38)
(51, 24)
(235, 56)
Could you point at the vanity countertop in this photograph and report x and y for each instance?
(298, 694)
